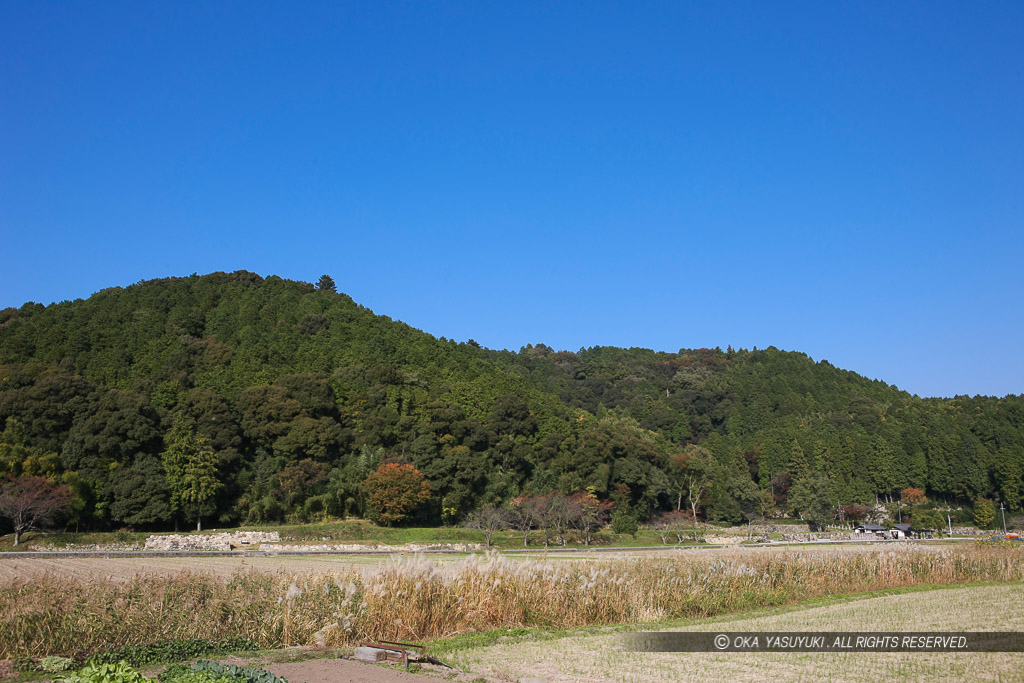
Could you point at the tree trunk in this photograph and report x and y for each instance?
(17, 537)
(199, 523)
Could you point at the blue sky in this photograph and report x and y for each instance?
(843, 179)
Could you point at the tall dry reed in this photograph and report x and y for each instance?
(417, 599)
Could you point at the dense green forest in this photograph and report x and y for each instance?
(298, 395)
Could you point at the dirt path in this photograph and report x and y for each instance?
(337, 670)
(333, 669)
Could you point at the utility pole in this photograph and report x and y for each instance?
(1002, 509)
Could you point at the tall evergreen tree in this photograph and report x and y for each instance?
(191, 468)
(799, 467)
(326, 283)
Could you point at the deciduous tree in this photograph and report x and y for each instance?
(588, 514)
(984, 512)
(30, 502)
(671, 523)
(697, 469)
(488, 519)
(527, 513)
(393, 492)
(912, 496)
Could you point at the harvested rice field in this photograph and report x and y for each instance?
(602, 657)
(124, 568)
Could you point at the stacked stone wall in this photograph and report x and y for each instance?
(222, 541)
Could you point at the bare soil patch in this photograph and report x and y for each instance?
(336, 670)
(332, 669)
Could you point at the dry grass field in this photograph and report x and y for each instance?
(87, 604)
(601, 657)
(126, 568)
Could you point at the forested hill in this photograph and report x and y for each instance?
(302, 393)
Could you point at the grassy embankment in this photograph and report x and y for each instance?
(361, 532)
(414, 599)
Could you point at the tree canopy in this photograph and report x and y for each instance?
(292, 395)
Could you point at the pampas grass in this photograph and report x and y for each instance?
(415, 599)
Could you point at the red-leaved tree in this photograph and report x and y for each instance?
(393, 492)
(31, 502)
(913, 496)
(854, 512)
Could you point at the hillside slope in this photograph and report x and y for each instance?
(302, 393)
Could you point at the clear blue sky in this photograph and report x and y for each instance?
(844, 179)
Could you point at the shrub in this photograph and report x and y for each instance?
(56, 664)
(175, 650)
(236, 673)
(179, 673)
(624, 522)
(121, 672)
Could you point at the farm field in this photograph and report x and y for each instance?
(588, 657)
(125, 568)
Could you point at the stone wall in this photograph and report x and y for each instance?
(824, 536)
(794, 529)
(222, 541)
